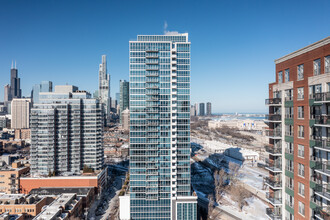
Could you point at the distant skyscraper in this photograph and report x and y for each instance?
(160, 183)
(208, 108)
(66, 132)
(124, 96)
(7, 93)
(20, 113)
(15, 84)
(104, 86)
(192, 110)
(201, 109)
(44, 86)
(125, 119)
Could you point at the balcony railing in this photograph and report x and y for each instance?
(275, 166)
(325, 144)
(274, 213)
(322, 166)
(273, 182)
(273, 117)
(273, 149)
(322, 119)
(323, 212)
(273, 199)
(322, 97)
(274, 133)
(323, 189)
(274, 101)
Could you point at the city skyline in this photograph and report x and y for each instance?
(48, 54)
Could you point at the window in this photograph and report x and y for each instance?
(289, 200)
(300, 93)
(289, 165)
(314, 89)
(287, 75)
(289, 182)
(317, 67)
(289, 130)
(288, 112)
(301, 72)
(300, 111)
(301, 133)
(288, 94)
(301, 189)
(301, 170)
(301, 208)
(280, 77)
(301, 151)
(289, 148)
(327, 64)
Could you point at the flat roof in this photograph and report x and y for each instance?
(303, 50)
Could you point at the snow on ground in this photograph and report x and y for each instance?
(252, 176)
(256, 209)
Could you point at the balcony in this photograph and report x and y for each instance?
(274, 101)
(274, 183)
(322, 120)
(274, 166)
(322, 167)
(323, 190)
(274, 117)
(323, 144)
(274, 150)
(322, 212)
(273, 199)
(274, 133)
(274, 213)
(322, 97)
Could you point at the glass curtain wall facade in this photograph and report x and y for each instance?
(159, 126)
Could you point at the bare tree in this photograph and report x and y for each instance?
(233, 171)
(220, 177)
(239, 194)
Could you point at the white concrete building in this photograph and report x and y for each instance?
(20, 112)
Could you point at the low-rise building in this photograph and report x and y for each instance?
(10, 177)
(65, 207)
(22, 134)
(247, 124)
(96, 180)
(16, 204)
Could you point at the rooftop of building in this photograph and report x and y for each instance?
(303, 50)
(10, 199)
(69, 175)
(81, 191)
(64, 202)
(6, 215)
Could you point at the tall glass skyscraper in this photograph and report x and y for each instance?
(160, 186)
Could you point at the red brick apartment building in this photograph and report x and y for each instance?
(299, 135)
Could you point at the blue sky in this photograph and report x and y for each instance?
(234, 43)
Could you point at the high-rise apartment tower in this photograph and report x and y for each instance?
(208, 108)
(299, 135)
(104, 86)
(124, 97)
(66, 132)
(201, 109)
(160, 185)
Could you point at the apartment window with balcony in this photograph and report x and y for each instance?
(301, 112)
(300, 92)
(317, 67)
(301, 208)
(287, 75)
(288, 94)
(289, 130)
(289, 165)
(280, 77)
(301, 170)
(289, 182)
(289, 200)
(314, 89)
(289, 148)
(301, 189)
(301, 132)
(300, 72)
(327, 64)
(301, 151)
